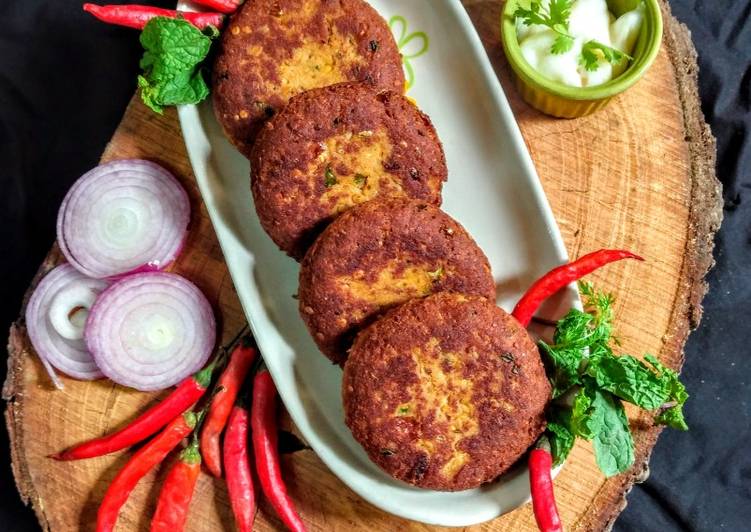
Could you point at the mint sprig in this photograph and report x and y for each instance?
(173, 52)
(593, 382)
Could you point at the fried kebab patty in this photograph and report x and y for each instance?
(335, 147)
(380, 254)
(275, 49)
(445, 392)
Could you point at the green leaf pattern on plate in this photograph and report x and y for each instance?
(411, 45)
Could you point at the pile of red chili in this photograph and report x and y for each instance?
(226, 408)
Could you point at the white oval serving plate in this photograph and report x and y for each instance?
(493, 190)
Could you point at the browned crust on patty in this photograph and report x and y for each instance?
(479, 360)
(272, 50)
(305, 164)
(378, 255)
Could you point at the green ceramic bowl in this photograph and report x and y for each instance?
(560, 100)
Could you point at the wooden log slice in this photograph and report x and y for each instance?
(638, 175)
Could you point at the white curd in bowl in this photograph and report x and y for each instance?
(589, 20)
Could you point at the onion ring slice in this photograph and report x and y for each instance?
(55, 317)
(151, 330)
(122, 217)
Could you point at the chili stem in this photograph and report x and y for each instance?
(139, 464)
(177, 491)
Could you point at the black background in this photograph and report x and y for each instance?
(65, 80)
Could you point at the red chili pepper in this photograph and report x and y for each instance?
(237, 462)
(228, 387)
(136, 16)
(148, 423)
(139, 464)
(223, 6)
(541, 486)
(561, 276)
(177, 491)
(265, 442)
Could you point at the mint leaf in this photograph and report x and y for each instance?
(673, 416)
(614, 447)
(677, 389)
(562, 366)
(630, 379)
(575, 334)
(560, 436)
(581, 356)
(583, 421)
(174, 50)
(633, 381)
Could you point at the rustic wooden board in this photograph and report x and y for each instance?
(638, 175)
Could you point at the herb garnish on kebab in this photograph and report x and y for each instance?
(589, 384)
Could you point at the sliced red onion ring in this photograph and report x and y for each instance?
(55, 318)
(122, 217)
(150, 330)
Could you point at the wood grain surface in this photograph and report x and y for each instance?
(638, 175)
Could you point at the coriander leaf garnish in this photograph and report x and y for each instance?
(555, 17)
(562, 44)
(329, 178)
(437, 274)
(581, 365)
(171, 63)
(590, 58)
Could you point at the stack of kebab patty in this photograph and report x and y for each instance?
(443, 389)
